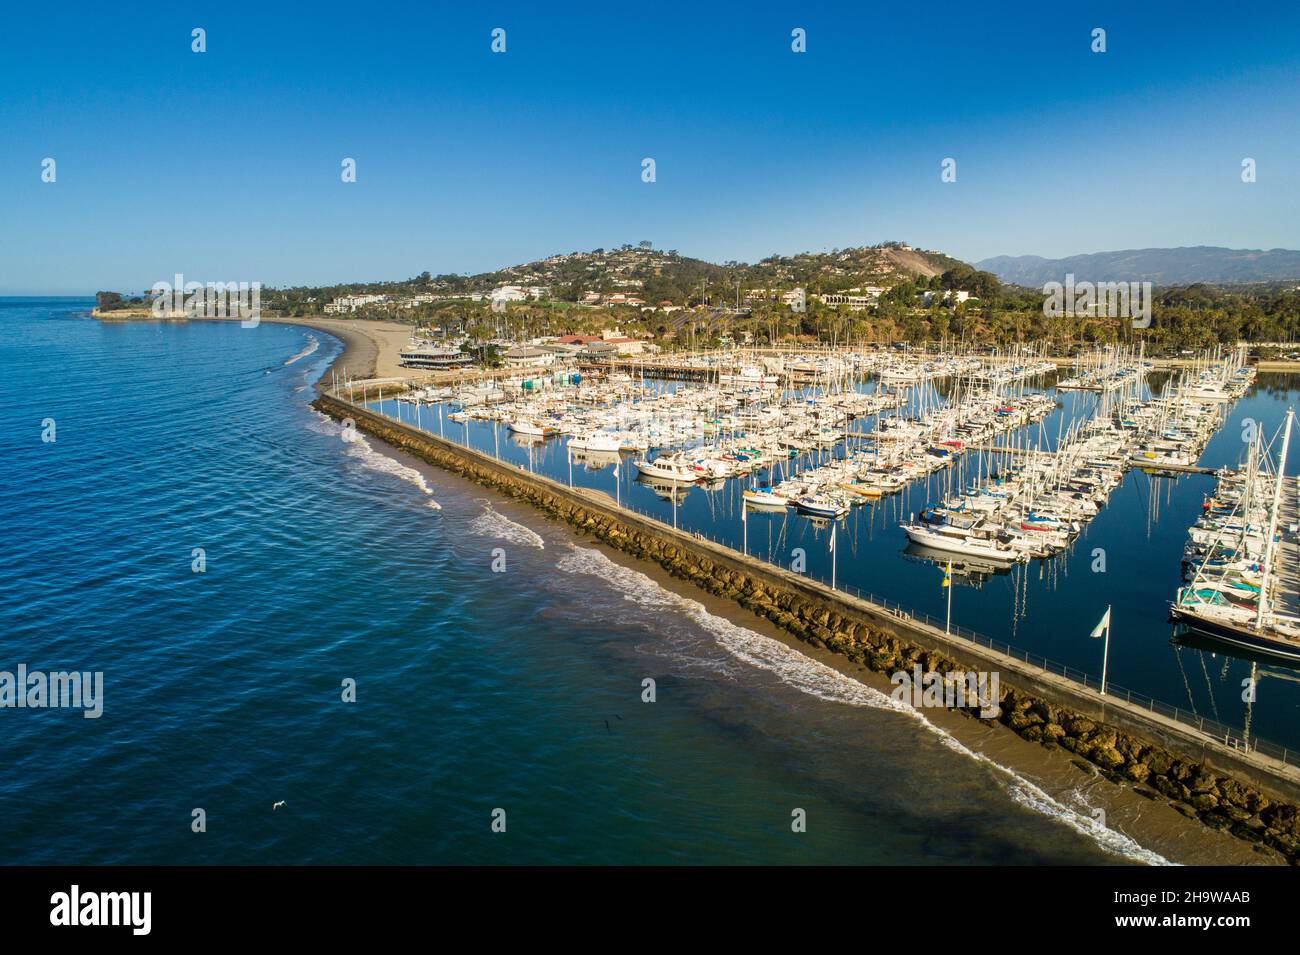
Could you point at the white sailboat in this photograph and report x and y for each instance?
(669, 467)
(1222, 604)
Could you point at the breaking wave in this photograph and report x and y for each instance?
(809, 676)
(312, 345)
(360, 451)
(492, 524)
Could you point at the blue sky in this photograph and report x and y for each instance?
(225, 165)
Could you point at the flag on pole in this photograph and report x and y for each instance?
(947, 575)
(832, 537)
(1102, 627)
(616, 470)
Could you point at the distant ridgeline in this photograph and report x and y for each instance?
(1164, 267)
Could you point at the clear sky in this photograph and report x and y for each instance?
(225, 165)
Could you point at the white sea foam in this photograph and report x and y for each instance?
(370, 459)
(809, 676)
(360, 451)
(312, 345)
(492, 524)
(323, 424)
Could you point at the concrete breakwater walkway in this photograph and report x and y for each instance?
(1229, 787)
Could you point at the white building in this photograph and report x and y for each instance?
(625, 346)
(528, 356)
(433, 356)
(509, 293)
(854, 303)
(956, 297)
(350, 303)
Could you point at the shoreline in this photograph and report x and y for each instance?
(370, 348)
(1138, 812)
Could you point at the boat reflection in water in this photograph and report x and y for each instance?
(595, 460)
(1188, 635)
(967, 571)
(667, 490)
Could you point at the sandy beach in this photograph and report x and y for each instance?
(371, 349)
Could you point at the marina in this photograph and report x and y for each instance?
(1082, 487)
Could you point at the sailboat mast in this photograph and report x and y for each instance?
(1272, 521)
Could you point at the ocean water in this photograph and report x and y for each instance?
(328, 561)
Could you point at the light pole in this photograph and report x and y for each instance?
(947, 582)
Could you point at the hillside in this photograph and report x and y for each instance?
(655, 275)
(1181, 266)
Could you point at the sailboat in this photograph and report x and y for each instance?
(671, 468)
(1223, 603)
(821, 505)
(596, 441)
(533, 428)
(955, 532)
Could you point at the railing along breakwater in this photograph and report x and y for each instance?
(1253, 795)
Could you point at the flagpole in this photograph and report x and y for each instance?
(833, 556)
(1105, 653)
(744, 524)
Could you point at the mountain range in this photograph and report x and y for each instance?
(1180, 266)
